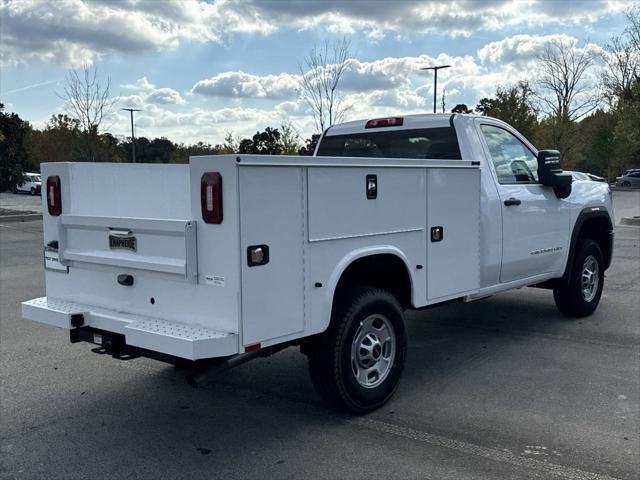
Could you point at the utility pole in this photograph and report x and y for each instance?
(435, 82)
(133, 138)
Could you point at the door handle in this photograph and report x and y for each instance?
(512, 201)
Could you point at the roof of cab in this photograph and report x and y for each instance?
(421, 120)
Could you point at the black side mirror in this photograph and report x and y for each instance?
(550, 173)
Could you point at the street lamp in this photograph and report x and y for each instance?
(133, 139)
(435, 82)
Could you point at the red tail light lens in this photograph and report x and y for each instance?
(211, 197)
(54, 198)
(385, 122)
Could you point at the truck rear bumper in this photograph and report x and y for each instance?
(191, 342)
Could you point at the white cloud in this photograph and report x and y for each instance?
(453, 18)
(149, 93)
(245, 85)
(77, 32)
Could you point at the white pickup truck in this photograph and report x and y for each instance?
(210, 264)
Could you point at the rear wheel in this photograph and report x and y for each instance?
(356, 364)
(580, 294)
(33, 191)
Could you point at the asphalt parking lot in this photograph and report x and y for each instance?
(501, 388)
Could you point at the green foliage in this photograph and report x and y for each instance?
(626, 132)
(309, 145)
(461, 108)
(290, 139)
(268, 142)
(513, 105)
(13, 154)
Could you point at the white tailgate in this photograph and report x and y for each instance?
(162, 246)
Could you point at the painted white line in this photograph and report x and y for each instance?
(545, 468)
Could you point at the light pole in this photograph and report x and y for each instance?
(435, 82)
(133, 139)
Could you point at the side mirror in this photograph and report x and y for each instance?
(550, 173)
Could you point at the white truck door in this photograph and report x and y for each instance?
(535, 223)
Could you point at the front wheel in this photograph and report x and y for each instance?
(33, 191)
(356, 364)
(625, 184)
(580, 294)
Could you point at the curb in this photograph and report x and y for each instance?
(634, 221)
(27, 217)
(623, 189)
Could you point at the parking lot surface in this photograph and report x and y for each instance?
(21, 202)
(501, 388)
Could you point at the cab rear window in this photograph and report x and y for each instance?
(433, 143)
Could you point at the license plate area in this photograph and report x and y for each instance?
(124, 242)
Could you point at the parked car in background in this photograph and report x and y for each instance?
(31, 184)
(585, 177)
(630, 178)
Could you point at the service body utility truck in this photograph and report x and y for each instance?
(231, 257)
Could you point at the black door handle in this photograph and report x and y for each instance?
(512, 201)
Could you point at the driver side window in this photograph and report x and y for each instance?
(513, 161)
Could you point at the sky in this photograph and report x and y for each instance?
(201, 69)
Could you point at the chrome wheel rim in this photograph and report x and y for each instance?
(590, 278)
(373, 350)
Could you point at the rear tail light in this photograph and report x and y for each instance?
(385, 122)
(54, 198)
(211, 197)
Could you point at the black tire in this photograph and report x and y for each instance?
(569, 295)
(330, 357)
(32, 191)
(625, 184)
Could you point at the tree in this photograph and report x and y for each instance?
(565, 95)
(622, 68)
(13, 155)
(626, 132)
(513, 105)
(264, 143)
(290, 139)
(460, 108)
(633, 29)
(88, 101)
(309, 146)
(56, 142)
(597, 132)
(323, 69)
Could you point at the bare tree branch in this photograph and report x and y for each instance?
(320, 78)
(622, 62)
(88, 101)
(564, 91)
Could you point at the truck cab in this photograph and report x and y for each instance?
(236, 256)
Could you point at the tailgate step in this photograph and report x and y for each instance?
(186, 341)
(192, 342)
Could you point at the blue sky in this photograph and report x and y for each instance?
(202, 69)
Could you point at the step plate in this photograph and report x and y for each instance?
(186, 341)
(192, 342)
(52, 312)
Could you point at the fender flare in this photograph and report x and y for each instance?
(589, 213)
(357, 254)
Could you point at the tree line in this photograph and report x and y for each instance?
(597, 133)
